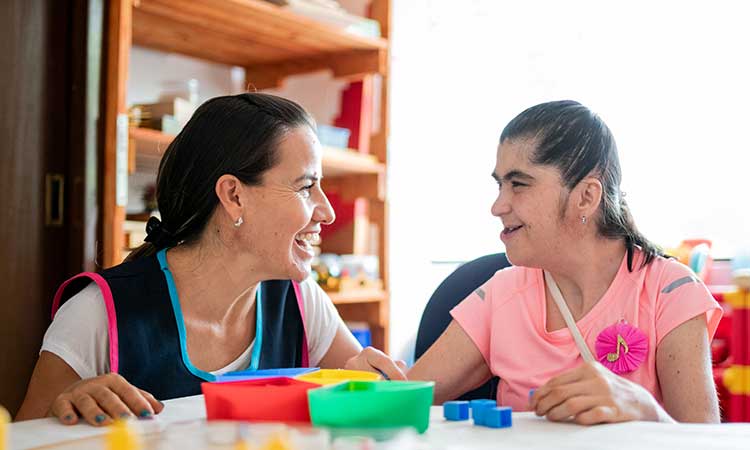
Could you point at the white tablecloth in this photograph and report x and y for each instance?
(528, 433)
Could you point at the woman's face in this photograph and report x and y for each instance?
(286, 211)
(532, 205)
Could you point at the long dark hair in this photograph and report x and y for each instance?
(236, 135)
(571, 138)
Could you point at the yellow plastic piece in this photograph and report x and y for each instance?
(4, 429)
(737, 380)
(243, 445)
(335, 376)
(738, 299)
(122, 437)
(279, 442)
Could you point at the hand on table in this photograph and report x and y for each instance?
(101, 399)
(591, 394)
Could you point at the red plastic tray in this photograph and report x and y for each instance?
(271, 399)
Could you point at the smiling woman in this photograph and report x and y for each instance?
(221, 283)
(583, 278)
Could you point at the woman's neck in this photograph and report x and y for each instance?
(212, 283)
(587, 272)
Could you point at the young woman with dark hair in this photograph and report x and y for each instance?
(592, 317)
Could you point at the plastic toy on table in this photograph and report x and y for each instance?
(362, 404)
(270, 399)
(333, 376)
(4, 421)
(121, 436)
(498, 417)
(456, 410)
(477, 409)
(265, 373)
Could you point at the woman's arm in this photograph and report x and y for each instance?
(346, 352)
(51, 376)
(683, 365)
(56, 389)
(343, 347)
(454, 363)
(591, 393)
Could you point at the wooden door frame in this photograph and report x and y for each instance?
(50, 134)
(118, 42)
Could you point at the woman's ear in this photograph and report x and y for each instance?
(229, 189)
(589, 196)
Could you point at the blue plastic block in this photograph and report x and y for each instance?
(498, 417)
(265, 373)
(458, 410)
(531, 393)
(478, 407)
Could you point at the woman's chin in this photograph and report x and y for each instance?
(300, 271)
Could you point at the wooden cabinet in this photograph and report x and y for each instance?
(271, 43)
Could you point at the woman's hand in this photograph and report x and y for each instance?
(591, 394)
(101, 399)
(373, 360)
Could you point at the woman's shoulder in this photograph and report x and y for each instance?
(664, 275)
(665, 270)
(509, 282)
(87, 300)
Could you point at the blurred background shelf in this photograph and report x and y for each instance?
(358, 296)
(149, 145)
(269, 41)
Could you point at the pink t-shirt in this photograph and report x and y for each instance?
(508, 324)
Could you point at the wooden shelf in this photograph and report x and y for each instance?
(267, 40)
(270, 43)
(339, 161)
(358, 296)
(151, 144)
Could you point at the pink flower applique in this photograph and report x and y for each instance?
(621, 347)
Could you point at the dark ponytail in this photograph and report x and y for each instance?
(571, 138)
(236, 135)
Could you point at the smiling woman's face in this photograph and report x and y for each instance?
(531, 203)
(285, 212)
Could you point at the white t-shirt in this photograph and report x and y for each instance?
(78, 333)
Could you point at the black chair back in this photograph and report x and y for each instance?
(456, 287)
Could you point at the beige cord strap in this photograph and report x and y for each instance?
(568, 317)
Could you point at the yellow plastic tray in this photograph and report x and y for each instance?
(333, 376)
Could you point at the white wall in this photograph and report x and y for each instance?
(669, 78)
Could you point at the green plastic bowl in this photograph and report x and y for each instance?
(372, 404)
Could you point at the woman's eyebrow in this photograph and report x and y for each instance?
(308, 176)
(513, 174)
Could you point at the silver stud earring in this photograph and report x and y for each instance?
(239, 222)
(583, 220)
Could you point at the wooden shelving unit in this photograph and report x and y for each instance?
(363, 296)
(147, 147)
(271, 43)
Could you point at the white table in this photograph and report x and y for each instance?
(528, 433)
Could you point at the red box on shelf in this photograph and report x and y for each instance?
(271, 399)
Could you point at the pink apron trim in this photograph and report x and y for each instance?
(109, 305)
(301, 304)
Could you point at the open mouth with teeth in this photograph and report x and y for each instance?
(306, 240)
(507, 231)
